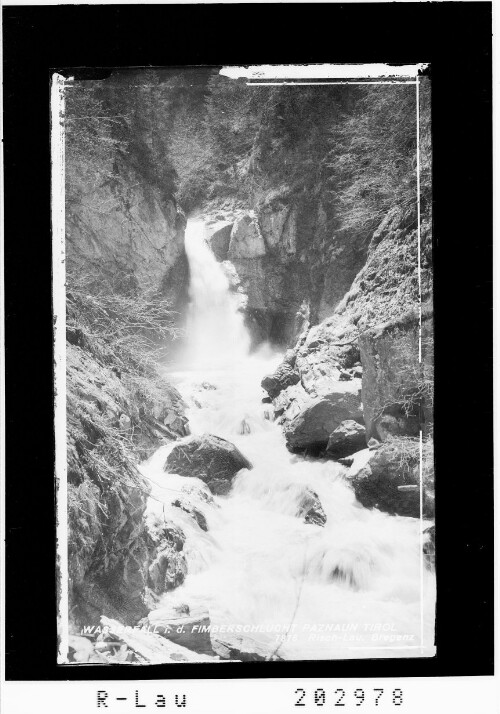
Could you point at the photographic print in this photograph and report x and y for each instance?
(244, 364)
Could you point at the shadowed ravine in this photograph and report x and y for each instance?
(347, 589)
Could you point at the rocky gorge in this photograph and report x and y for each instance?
(322, 340)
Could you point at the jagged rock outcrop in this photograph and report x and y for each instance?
(310, 508)
(372, 333)
(167, 563)
(213, 460)
(284, 376)
(277, 250)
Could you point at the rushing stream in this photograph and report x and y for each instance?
(353, 588)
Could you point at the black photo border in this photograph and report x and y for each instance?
(455, 38)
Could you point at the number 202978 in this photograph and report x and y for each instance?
(343, 697)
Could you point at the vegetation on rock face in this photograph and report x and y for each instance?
(118, 411)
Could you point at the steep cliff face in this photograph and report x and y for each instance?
(126, 227)
(375, 325)
(293, 268)
(126, 270)
(111, 425)
(370, 362)
(121, 215)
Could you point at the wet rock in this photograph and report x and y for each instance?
(346, 439)
(319, 417)
(186, 626)
(191, 510)
(168, 570)
(347, 461)
(284, 376)
(311, 510)
(198, 491)
(208, 386)
(213, 460)
(429, 546)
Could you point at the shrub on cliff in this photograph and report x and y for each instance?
(116, 404)
(127, 326)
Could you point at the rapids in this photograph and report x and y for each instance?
(354, 588)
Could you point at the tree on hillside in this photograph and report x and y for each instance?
(372, 158)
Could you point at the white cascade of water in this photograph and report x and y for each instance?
(215, 333)
(353, 588)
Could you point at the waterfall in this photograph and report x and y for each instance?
(352, 588)
(215, 333)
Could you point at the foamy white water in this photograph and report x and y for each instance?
(353, 588)
(215, 332)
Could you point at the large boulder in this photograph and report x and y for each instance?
(388, 478)
(346, 439)
(213, 460)
(319, 416)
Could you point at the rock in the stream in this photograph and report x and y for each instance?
(320, 416)
(213, 460)
(346, 439)
(311, 510)
(168, 570)
(191, 510)
(429, 546)
(284, 376)
(184, 625)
